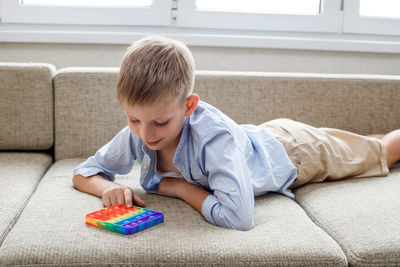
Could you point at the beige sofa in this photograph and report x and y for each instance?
(52, 120)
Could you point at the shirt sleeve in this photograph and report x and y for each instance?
(232, 202)
(115, 157)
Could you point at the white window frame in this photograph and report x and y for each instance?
(337, 33)
(158, 14)
(327, 21)
(353, 22)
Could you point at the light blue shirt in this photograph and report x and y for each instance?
(233, 162)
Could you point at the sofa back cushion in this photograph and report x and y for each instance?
(26, 106)
(87, 114)
(362, 104)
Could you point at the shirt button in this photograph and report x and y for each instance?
(112, 151)
(145, 167)
(233, 189)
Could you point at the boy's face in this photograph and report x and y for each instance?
(158, 124)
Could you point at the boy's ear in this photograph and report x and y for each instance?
(191, 104)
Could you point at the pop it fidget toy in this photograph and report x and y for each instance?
(124, 220)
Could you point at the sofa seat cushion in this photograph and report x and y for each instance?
(19, 175)
(52, 231)
(362, 215)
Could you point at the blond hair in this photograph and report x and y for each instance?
(155, 67)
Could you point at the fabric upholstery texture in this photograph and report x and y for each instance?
(87, 114)
(20, 174)
(42, 220)
(362, 215)
(355, 103)
(26, 106)
(52, 231)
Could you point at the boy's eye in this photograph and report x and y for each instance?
(157, 124)
(160, 124)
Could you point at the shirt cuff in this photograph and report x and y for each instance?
(285, 188)
(92, 171)
(207, 208)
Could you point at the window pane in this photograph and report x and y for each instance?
(262, 6)
(92, 3)
(382, 8)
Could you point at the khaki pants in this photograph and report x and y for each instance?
(328, 154)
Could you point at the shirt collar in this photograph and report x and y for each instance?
(145, 148)
(182, 143)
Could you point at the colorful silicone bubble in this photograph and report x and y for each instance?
(124, 220)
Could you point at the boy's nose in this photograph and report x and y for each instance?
(147, 133)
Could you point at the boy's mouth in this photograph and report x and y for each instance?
(153, 143)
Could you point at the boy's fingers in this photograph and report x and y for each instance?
(106, 201)
(120, 198)
(128, 197)
(138, 200)
(113, 200)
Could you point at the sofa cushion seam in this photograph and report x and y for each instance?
(18, 213)
(342, 245)
(179, 262)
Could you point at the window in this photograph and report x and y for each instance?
(294, 24)
(310, 7)
(90, 3)
(267, 15)
(359, 16)
(87, 12)
(382, 8)
(372, 17)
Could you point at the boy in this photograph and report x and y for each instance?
(192, 151)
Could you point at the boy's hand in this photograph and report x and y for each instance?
(179, 188)
(169, 187)
(119, 194)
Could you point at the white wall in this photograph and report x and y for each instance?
(211, 58)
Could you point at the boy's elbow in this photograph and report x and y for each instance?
(74, 180)
(242, 217)
(242, 221)
(77, 181)
(245, 224)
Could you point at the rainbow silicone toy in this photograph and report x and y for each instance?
(123, 220)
